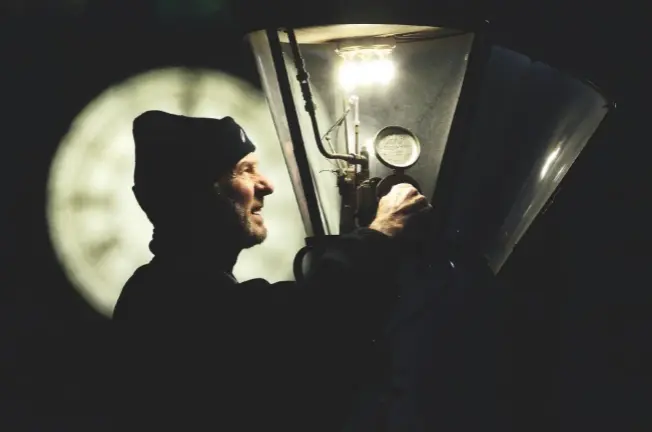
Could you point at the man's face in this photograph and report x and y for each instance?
(246, 189)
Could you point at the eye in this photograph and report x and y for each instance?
(250, 169)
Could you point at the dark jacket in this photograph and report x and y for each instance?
(198, 350)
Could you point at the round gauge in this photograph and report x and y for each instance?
(397, 147)
(98, 231)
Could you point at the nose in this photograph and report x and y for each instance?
(266, 186)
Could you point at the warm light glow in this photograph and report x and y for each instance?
(366, 67)
(357, 73)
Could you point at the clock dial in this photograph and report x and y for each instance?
(100, 234)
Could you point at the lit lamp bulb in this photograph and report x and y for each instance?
(366, 67)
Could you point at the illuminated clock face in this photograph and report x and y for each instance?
(99, 232)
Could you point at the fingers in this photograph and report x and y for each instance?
(413, 205)
(419, 204)
(426, 209)
(406, 188)
(421, 201)
(404, 199)
(403, 203)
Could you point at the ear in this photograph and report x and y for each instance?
(225, 179)
(224, 184)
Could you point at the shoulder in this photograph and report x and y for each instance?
(261, 290)
(131, 292)
(161, 289)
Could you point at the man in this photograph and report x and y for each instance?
(200, 351)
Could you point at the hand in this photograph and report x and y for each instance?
(400, 205)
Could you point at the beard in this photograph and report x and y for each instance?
(252, 233)
(239, 222)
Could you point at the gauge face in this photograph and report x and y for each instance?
(99, 233)
(397, 147)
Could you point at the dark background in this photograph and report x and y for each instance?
(578, 287)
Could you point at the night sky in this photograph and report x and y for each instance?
(577, 283)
